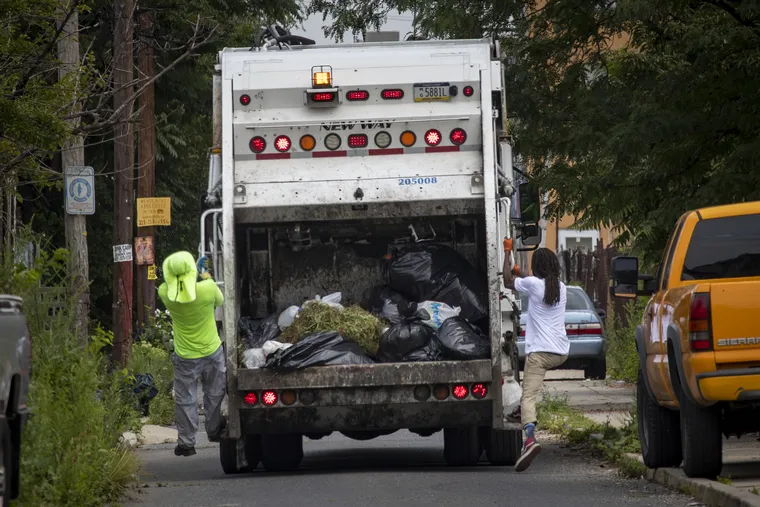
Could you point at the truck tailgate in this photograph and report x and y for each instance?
(735, 321)
(368, 375)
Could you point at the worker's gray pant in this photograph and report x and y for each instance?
(212, 371)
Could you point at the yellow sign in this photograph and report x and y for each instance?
(154, 211)
(152, 273)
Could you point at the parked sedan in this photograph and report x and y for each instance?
(583, 324)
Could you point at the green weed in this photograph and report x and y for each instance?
(622, 358)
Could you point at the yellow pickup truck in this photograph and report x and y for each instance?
(699, 339)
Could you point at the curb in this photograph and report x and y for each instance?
(708, 492)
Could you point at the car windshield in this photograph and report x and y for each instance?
(576, 300)
(726, 247)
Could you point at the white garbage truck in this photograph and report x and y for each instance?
(324, 157)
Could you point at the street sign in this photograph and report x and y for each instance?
(152, 273)
(79, 187)
(122, 253)
(153, 211)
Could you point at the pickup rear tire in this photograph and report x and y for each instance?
(6, 473)
(280, 453)
(502, 446)
(461, 446)
(701, 439)
(597, 370)
(659, 430)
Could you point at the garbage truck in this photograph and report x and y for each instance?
(323, 157)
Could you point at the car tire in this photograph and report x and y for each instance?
(16, 430)
(659, 429)
(281, 453)
(461, 446)
(597, 370)
(6, 473)
(701, 440)
(502, 447)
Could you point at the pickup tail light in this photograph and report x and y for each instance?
(700, 335)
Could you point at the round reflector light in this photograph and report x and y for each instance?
(332, 141)
(245, 99)
(250, 398)
(282, 143)
(459, 392)
(479, 391)
(288, 397)
(269, 398)
(258, 144)
(433, 137)
(383, 139)
(441, 392)
(307, 397)
(358, 140)
(458, 136)
(408, 138)
(392, 94)
(357, 95)
(308, 142)
(468, 91)
(421, 393)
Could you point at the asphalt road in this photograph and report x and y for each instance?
(398, 470)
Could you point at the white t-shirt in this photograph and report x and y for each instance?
(545, 325)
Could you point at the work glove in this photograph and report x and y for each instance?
(516, 270)
(507, 244)
(203, 268)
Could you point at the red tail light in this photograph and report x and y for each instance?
(460, 391)
(392, 94)
(700, 335)
(522, 332)
(583, 329)
(358, 140)
(269, 398)
(479, 391)
(258, 144)
(357, 95)
(458, 136)
(282, 143)
(250, 398)
(468, 91)
(433, 137)
(323, 97)
(245, 100)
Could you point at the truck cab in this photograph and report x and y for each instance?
(699, 340)
(325, 157)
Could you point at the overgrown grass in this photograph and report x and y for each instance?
(156, 360)
(612, 444)
(622, 358)
(70, 453)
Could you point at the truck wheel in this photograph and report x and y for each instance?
(502, 446)
(461, 446)
(281, 453)
(659, 430)
(228, 456)
(5, 463)
(252, 451)
(597, 370)
(701, 440)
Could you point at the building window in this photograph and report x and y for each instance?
(570, 239)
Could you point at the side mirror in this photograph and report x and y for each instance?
(530, 234)
(602, 313)
(625, 277)
(530, 214)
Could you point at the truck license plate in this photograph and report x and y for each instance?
(431, 92)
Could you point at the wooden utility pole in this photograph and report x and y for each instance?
(124, 162)
(146, 159)
(72, 155)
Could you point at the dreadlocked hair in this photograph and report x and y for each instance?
(545, 265)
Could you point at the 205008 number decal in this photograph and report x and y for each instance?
(418, 181)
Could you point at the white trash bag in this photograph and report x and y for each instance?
(329, 300)
(287, 317)
(511, 393)
(257, 358)
(438, 312)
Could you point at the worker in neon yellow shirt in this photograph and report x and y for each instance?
(198, 351)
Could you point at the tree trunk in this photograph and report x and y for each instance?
(72, 154)
(146, 289)
(124, 161)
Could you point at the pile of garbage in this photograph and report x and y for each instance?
(431, 308)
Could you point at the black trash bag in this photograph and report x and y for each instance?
(144, 389)
(438, 273)
(383, 301)
(318, 349)
(430, 352)
(255, 332)
(459, 340)
(403, 338)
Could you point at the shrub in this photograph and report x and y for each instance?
(622, 358)
(156, 360)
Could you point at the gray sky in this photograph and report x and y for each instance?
(312, 27)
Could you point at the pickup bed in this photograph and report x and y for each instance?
(699, 339)
(15, 364)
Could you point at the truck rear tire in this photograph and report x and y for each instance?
(701, 439)
(281, 453)
(502, 446)
(461, 446)
(6, 473)
(659, 430)
(597, 370)
(253, 451)
(228, 456)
